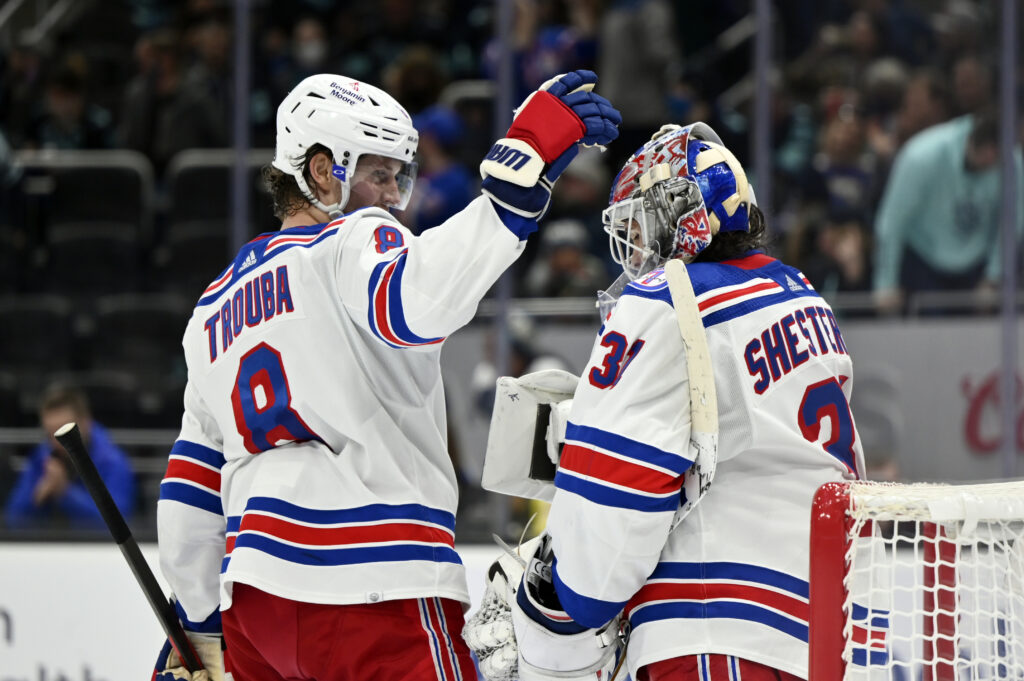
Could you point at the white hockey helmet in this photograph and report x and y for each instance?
(351, 118)
(672, 196)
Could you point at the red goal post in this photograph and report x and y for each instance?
(917, 581)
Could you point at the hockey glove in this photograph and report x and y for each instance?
(521, 168)
(544, 644)
(208, 648)
(489, 631)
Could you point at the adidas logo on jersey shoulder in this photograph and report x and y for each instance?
(793, 284)
(249, 261)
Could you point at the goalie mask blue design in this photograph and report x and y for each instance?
(673, 195)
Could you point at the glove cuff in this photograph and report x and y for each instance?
(548, 124)
(528, 202)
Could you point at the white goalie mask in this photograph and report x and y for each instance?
(672, 196)
(350, 118)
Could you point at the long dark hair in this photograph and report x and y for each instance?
(729, 245)
(284, 190)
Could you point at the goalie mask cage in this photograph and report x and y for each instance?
(917, 582)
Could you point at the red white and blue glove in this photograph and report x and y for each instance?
(209, 650)
(521, 168)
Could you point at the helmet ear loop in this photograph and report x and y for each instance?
(333, 211)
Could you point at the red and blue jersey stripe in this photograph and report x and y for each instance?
(264, 247)
(748, 284)
(613, 470)
(723, 590)
(333, 537)
(386, 313)
(300, 236)
(193, 476)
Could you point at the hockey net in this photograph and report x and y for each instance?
(917, 581)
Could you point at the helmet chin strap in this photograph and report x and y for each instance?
(335, 210)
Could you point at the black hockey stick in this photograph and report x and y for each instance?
(71, 439)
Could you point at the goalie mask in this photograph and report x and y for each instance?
(351, 119)
(673, 196)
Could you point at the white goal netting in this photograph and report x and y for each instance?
(935, 582)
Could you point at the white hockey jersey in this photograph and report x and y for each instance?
(312, 461)
(732, 577)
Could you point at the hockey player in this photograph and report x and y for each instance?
(720, 593)
(309, 502)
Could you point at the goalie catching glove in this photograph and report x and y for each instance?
(521, 168)
(209, 650)
(521, 632)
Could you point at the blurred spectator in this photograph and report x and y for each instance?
(973, 86)
(841, 55)
(162, 114)
(840, 259)
(844, 171)
(937, 227)
(960, 27)
(550, 37)
(309, 48)
(49, 492)
(885, 82)
(19, 90)
(640, 64)
(444, 185)
(68, 120)
(210, 70)
(564, 266)
(925, 103)
(582, 192)
(416, 78)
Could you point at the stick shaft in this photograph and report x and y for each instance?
(70, 438)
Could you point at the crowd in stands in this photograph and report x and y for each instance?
(853, 82)
(884, 145)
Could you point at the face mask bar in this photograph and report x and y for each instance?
(642, 230)
(630, 227)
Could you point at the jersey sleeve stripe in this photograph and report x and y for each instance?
(187, 470)
(590, 612)
(594, 464)
(386, 313)
(602, 494)
(565, 625)
(171, 490)
(211, 625)
(201, 453)
(626, 447)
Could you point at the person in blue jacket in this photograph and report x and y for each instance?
(49, 492)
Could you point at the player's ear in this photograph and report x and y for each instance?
(320, 167)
